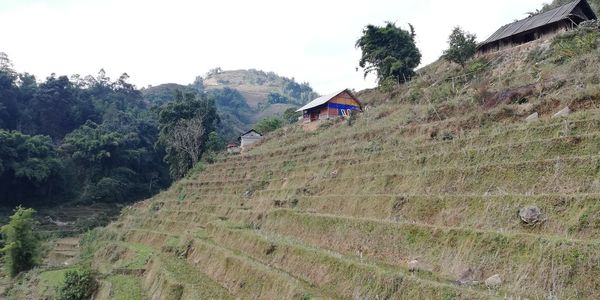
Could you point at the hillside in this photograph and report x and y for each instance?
(418, 199)
(243, 97)
(256, 86)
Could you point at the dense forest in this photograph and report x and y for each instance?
(243, 97)
(93, 139)
(78, 138)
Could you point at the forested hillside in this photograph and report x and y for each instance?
(94, 139)
(75, 138)
(242, 97)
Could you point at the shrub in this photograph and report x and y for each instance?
(477, 66)
(352, 118)
(572, 44)
(291, 116)
(267, 125)
(21, 250)
(78, 285)
(462, 46)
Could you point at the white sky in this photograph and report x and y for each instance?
(173, 41)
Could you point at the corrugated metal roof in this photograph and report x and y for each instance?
(551, 16)
(323, 99)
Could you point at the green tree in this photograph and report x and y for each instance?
(21, 250)
(115, 162)
(389, 51)
(106, 133)
(184, 127)
(462, 46)
(30, 168)
(267, 125)
(215, 142)
(9, 93)
(291, 116)
(78, 285)
(274, 98)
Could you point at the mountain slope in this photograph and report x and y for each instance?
(243, 97)
(418, 199)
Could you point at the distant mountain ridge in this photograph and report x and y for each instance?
(243, 97)
(256, 86)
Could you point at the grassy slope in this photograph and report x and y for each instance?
(434, 171)
(254, 88)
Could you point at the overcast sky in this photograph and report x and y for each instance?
(175, 40)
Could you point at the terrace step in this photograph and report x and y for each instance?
(345, 277)
(565, 146)
(241, 276)
(532, 265)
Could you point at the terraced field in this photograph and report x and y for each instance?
(418, 198)
(380, 210)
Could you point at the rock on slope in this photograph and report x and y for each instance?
(418, 199)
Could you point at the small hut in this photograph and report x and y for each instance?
(339, 104)
(537, 26)
(248, 138)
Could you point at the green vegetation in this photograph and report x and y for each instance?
(595, 4)
(274, 98)
(291, 116)
(389, 51)
(30, 167)
(21, 250)
(51, 281)
(126, 287)
(76, 139)
(79, 284)
(573, 44)
(461, 46)
(418, 199)
(91, 139)
(184, 126)
(267, 125)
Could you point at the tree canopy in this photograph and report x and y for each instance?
(389, 51)
(184, 128)
(76, 138)
(462, 46)
(21, 250)
(267, 125)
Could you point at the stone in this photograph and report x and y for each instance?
(530, 215)
(413, 265)
(469, 277)
(493, 281)
(532, 118)
(563, 112)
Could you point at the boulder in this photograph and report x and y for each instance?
(532, 118)
(493, 281)
(466, 277)
(413, 265)
(531, 215)
(563, 112)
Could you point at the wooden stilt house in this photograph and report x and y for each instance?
(545, 24)
(339, 104)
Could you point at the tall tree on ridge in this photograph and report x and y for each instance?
(389, 51)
